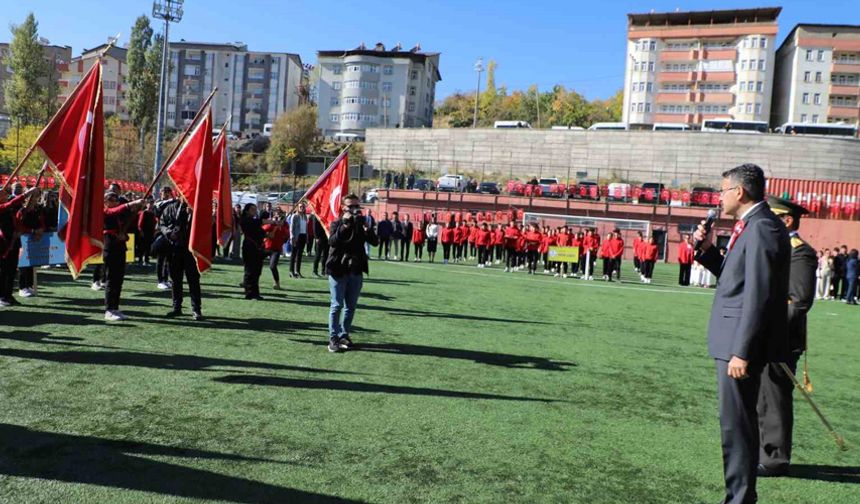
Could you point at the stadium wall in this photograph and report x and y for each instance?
(674, 158)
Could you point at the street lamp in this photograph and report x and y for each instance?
(479, 67)
(166, 10)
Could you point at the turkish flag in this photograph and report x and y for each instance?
(73, 143)
(324, 196)
(224, 215)
(194, 174)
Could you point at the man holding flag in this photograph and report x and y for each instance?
(348, 231)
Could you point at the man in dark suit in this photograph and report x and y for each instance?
(748, 321)
(775, 405)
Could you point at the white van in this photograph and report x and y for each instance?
(620, 126)
(451, 183)
(671, 127)
(347, 137)
(267, 130)
(512, 125)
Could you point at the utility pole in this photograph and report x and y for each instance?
(167, 10)
(479, 67)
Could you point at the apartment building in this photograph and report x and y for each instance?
(255, 87)
(376, 88)
(686, 67)
(818, 75)
(114, 75)
(58, 58)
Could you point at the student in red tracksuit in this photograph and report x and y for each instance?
(472, 239)
(649, 258)
(563, 239)
(522, 249)
(576, 242)
(637, 263)
(446, 236)
(591, 246)
(117, 218)
(512, 235)
(685, 259)
(533, 239)
(498, 242)
(547, 240)
(9, 248)
(460, 238)
(418, 237)
(616, 251)
(277, 233)
(603, 254)
(483, 241)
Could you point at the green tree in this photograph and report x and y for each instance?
(143, 78)
(31, 92)
(295, 136)
(15, 144)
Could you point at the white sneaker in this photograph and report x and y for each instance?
(556, 275)
(112, 316)
(26, 292)
(120, 314)
(507, 269)
(96, 286)
(163, 286)
(591, 278)
(564, 275)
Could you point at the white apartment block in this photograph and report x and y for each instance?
(818, 75)
(255, 87)
(686, 67)
(114, 75)
(376, 88)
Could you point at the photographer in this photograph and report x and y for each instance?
(346, 265)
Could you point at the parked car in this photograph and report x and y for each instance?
(618, 191)
(583, 190)
(424, 185)
(656, 189)
(546, 185)
(702, 196)
(372, 195)
(489, 188)
(451, 183)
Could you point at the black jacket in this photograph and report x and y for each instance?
(346, 248)
(801, 291)
(385, 229)
(174, 216)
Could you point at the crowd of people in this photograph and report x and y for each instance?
(838, 275)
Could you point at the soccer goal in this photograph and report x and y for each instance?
(603, 225)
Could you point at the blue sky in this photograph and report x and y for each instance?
(545, 42)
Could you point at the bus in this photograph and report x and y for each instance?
(671, 127)
(832, 129)
(728, 125)
(512, 125)
(617, 126)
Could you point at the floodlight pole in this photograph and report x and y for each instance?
(167, 10)
(479, 67)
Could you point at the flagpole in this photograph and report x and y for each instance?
(32, 148)
(179, 143)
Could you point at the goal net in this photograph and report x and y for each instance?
(603, 225)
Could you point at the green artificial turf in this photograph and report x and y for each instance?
(471, 385)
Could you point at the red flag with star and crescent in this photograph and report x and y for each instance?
(73, 143)
(194, 174)
(223, 196)
(324, 196)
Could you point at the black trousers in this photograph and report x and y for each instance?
(8, 268)
(739, 432)
(309, 245)
(274, 259)
(114, 268)
(835, 283)
(252, 257)
(684, 274)
(404, 250)
(637, 264)
(446, 251)
(99, 273)
(26, 277)
(419, 250)
(647, 268)
(182, 265)
(162, 268)
(432, 245)
(607, 267)
(616, 267)
(384, 248)
(511, 257)
(143, 245)
(776, 414)
(298, 250)
(532, 257)
(482, 254)
(322, 255)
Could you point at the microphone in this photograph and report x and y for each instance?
(709, 222)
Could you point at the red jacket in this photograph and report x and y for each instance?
(276, 236)
(533, 239)
(685, 253)
(547, 242)
(649, 251)
(460, 235)
(564, 239)
(483, 238)
(603, 250)
(615, 247)
(591, 243)
(447, 235)
(418, 235)
(521, 243)
(636, 243)
(512, 235)
(498, 237)
(473, 234)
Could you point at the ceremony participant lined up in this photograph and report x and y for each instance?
(385, 230)
(117, 217)
(748, 325)
(685, 260)
(447, 239)
(346, 266)
(417, 240)
(321, 253)
(649, 254)
(277, 234)
(512, 235)
(175, 224)
(160, 244)
(432, 232)
(408, 230)
(253, 250)
(29, 220)
(9, 246)
(298, 240)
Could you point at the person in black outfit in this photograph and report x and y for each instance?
(146, 225)
(298, 240)
(8, 243)
(253, 251)
(396, 233)
(175, 224)
(31, 221)
(321, 240)
(162, 253)
(346, 266)
(837, 282)
(117, 218)
(410, 181)
(407, 239)
(384, 231)
(387, 183)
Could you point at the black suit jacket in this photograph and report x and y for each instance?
(749, 314)
(801, 291)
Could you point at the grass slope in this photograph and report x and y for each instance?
(471, 386)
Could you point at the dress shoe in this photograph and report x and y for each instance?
(174, 313)
(771, 472)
